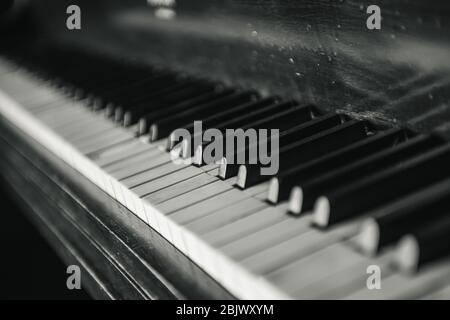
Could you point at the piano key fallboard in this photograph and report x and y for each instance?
(349, 193)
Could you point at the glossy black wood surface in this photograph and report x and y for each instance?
(316, 51)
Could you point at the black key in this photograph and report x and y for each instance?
(123, 91)
(256, 115)
(335, 179)
(281, 185)
(290, 131)
(217, 120)
(388, 224)
(379, 188)
(156, 115)
(163, 128)
(287, 137)
(130, 103)
(307, 149)
(226, 115)
(165, 102)
(425, 245)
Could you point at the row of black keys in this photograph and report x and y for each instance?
(401, 178)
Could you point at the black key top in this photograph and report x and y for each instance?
(335, 179)
(379, 188)
(132, 116)
(226, 115)
(123, 92)
(251, 117)
(425, 245)
(280, 187)
(163, 128)
(287, 137)
(390, 223)
(307, 149)
(288, 122)
(156, 115)
(217, 120)
(129, 103)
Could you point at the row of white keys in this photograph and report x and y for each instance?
(149, 160)
(118, 153)
(162, 181)
(258, 191)
(91, 139)
(81, 129)
(194, 196)
(240, 228)
(260, 231)
(203, 208)
(65, 114)
(131, 161)
(75, 134)
(347, 280)
(121, 160)
(53, 101)
(322, 263)
(179, 189)
(266, 237)
(404, 286)
(152, 174)
(292, 249)
(103, 141)
(440, 294)
(222, 217)
(27, 92)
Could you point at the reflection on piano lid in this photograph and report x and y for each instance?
(350, 193)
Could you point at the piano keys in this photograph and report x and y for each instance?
(308, 232)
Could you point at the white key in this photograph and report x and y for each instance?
(302, 245)
(120, 152)
(152, 174)
(180, 188)
(440, 294)
(244, 226)
(222, 217)
(194, 196)
(152, 160)
(346, 281)
(212, 204)
(313, 267)
(266, 237)
(401, 286)
(166, 181)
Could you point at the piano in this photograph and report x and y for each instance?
(88, 115)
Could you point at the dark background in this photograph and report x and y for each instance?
(29, 268)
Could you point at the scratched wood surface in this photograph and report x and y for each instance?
(315, 51)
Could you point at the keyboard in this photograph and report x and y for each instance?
(349, 193)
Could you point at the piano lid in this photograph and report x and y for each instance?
(314, 51)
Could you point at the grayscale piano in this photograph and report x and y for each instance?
(88, 113)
